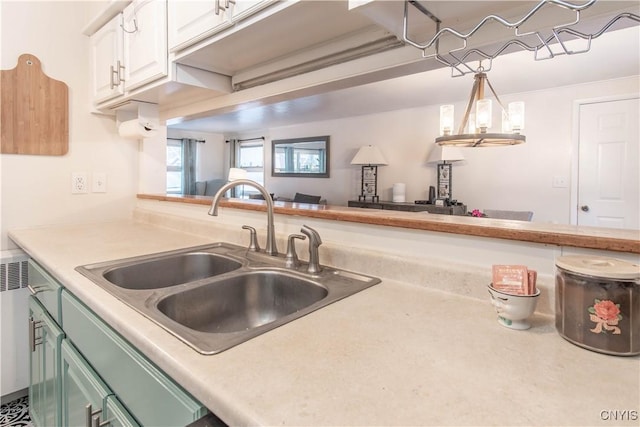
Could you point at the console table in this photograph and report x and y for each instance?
(410, 207)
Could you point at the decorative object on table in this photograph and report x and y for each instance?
(399, 191)
(370, 158)
(598, 303)
(474, 131)
(514, 295)
(444, 157)
(477, 213)
(34, 117)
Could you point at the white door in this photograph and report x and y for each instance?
(608, 177)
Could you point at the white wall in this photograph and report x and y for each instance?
(515, 177)
(36, 190)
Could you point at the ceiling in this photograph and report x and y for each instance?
(613, 55)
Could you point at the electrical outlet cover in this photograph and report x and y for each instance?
(79, 183)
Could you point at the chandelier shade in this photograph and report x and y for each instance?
(474, 129)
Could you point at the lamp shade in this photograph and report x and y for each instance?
(368, 155)
(441, 154)
(236, 174)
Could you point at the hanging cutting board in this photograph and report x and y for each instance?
(34, 111)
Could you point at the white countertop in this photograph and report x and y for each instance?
(394, 354)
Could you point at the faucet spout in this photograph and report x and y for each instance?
(270, 248)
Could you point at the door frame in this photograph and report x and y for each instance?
(575, 145)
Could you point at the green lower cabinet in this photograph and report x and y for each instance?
(83, 373)
(44, 367)
(148, 393)
(86, 399)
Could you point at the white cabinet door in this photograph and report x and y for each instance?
(106, 61)
(245, 8)
(193, 20)
(145, 42)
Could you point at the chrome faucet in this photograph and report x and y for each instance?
(271, 248)
(314, 242)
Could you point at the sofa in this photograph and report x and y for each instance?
(210, 187)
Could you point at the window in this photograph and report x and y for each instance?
(175, 167)
(250, 157)
(182, 157)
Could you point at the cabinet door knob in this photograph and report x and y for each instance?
(584, 208)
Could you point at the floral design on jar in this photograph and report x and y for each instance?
(606, 315)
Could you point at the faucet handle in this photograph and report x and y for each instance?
(291, 259)
(253, 239)
(314, 237)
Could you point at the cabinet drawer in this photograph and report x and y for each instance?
(151, 397)
(47, 290)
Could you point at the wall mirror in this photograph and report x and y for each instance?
(300, 157)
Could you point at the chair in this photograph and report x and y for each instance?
(501, 214)
(306, 198)
(260, 196)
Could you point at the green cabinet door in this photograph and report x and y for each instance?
(44, 367)
(147, 392)
(86, 400)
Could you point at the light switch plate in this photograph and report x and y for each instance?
(99, 184)
(559, 182)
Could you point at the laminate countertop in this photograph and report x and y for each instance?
(393, 354)
(609, 239)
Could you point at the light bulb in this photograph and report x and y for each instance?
(516, 116)
(483, 114)
(446, 119)
(472, 123)
(506, 123)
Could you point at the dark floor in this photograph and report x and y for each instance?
(15, 413)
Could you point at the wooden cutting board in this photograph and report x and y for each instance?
(34, 111)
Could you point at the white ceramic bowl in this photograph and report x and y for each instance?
(513, 310)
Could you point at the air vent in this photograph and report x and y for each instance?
(14, 270)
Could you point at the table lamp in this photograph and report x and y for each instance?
(444, 156)
(370, 158)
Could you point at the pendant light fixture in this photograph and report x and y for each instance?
(475, 129)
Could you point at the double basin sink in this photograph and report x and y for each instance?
(216, 296)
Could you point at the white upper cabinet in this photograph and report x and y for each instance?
(193, 20)
(107, 60)
(145, 42)
(130, 50)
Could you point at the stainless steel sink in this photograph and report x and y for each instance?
(217, 296)
(170, 270)
(241, 302)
